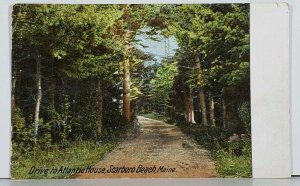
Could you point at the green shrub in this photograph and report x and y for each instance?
(21, 134)
(229, 165)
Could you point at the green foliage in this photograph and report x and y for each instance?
(44, 139)
(220, 35)
(233, 167)
(18, 122)
(245, 114)
(229, 164)
(21, 133)
(162, 83)
(240, 146)
(80, 110)
(239, 75)
(135, 92)
(56, 127)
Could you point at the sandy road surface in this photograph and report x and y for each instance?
(155, 150)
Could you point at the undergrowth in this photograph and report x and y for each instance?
(233, 158)
(79, 154)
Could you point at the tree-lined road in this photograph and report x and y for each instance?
(158, 144)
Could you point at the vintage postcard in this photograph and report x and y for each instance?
(131, 91)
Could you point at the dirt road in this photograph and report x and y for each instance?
(156, 150)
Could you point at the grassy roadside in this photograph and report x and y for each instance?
(233, 159)
(80, 154)
(77, 155)
(231, 166)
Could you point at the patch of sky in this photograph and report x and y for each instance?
(158, 46)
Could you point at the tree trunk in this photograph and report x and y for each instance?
(39, 95)
(15, 86)
(224, 114)
(212, 112)
(203, 107)
(18, 89)
(231, 119)
(201, 90)
(126, 76)
(53, 88)
(189, 107)
(13, 90)
(186, 106)
(126, 91)
(52, 92)
(100, 105)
